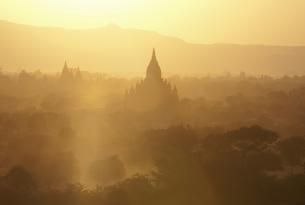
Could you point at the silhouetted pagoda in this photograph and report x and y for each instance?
(70, 75)
(153, 92)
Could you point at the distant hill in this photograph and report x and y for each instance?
(119, 51)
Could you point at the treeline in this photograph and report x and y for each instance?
(250, 165)
(226, 101)
(72, 140)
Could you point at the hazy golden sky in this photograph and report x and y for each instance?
(202, 21)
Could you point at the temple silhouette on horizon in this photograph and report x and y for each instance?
(153, 92)
(70, 75)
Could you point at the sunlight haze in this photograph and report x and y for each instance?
(152, 102)
(197, 21)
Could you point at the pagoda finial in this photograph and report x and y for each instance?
(65, 65)
(154, 56)
(153, 70)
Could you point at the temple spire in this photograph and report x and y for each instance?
(153, 69)
(65, 65)
(154, 54)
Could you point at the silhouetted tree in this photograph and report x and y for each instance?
(108, 171)
(293, 150)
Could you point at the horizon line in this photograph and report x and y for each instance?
(118, 26)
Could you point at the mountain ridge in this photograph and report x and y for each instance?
(126, 51)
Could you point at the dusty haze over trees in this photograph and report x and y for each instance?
(77, 137)
(210, 111)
